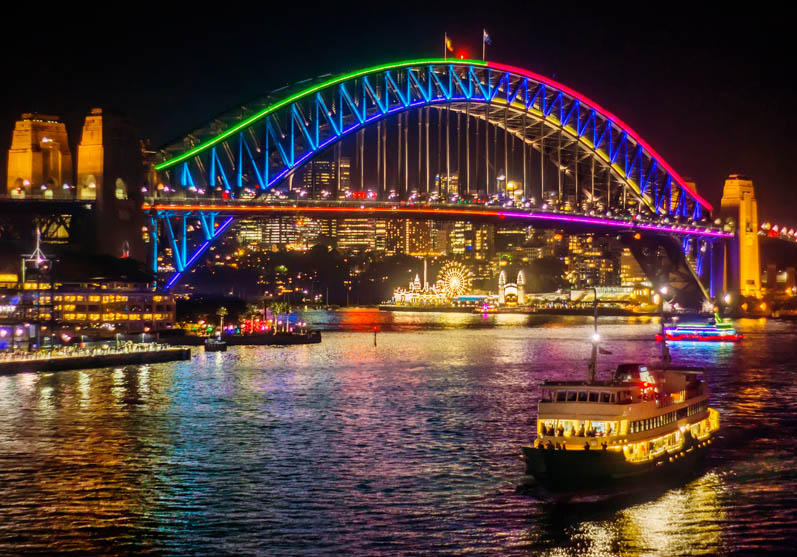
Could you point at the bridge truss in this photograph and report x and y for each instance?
(576, 157)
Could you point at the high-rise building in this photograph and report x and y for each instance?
(395, 230)
(249, 231)
(39, 160)
(418, 237)
(472, 240)
(380, 235)
(356, 235)
(322, 175)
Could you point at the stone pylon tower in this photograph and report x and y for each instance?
(742, 267)
(110, 173)
(502, 288)
(39, 160)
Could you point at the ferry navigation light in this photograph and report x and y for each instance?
(596, 337)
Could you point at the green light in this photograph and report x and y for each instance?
(309, 91)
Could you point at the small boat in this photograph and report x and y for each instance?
(215, 345)
(717, 330)
(643, 423)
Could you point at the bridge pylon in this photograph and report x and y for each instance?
(742, 262)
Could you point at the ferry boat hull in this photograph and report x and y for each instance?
(676, 336)
(568, 470)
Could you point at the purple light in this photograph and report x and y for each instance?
(617, 224)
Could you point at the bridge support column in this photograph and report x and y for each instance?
(717, 270)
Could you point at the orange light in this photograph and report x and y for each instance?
(637, 236)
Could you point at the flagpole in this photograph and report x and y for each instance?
(484, 47)
(445, 46)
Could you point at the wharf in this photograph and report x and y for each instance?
(265, 339)
(85, 361)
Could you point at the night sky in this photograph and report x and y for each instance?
(710, 91)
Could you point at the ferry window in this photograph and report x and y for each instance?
(547, 396)
(571, 396)
(613, 398)
(593, 397)
(560, 396)
(582, 396)
(604, 397)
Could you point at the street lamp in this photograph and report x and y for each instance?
(665, 350)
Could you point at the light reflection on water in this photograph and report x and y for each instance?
(408, 446)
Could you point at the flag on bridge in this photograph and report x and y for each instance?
(448, 46)
(485, 41)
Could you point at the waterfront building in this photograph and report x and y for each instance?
(453, 281)
(82, 292)
(590, 261)
(119, 305)
(417, 294)
(511, 293)
(631, 273)
(39, 159)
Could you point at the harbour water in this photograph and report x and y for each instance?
(411, 446)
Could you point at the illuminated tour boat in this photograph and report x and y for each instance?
(594, 433)
(721, 330)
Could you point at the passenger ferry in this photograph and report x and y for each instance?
(643, 422)
(721, 330)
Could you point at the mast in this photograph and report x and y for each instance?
(593, 364)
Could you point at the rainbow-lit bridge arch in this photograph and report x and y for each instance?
(256, 149)
(608, 177)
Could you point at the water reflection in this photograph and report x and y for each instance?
(409, 446)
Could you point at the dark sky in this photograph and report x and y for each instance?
(710, 90)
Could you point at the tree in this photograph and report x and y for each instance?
(280, 309)
(252, 311)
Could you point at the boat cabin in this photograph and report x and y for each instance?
(637, 403)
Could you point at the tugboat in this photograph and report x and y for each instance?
(642, 423)
(720, 330)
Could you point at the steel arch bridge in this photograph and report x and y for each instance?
(600, 162)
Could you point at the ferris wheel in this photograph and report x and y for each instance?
(454, 279)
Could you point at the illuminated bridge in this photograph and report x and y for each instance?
(510, 146)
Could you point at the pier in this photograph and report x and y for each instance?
(91, 358)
